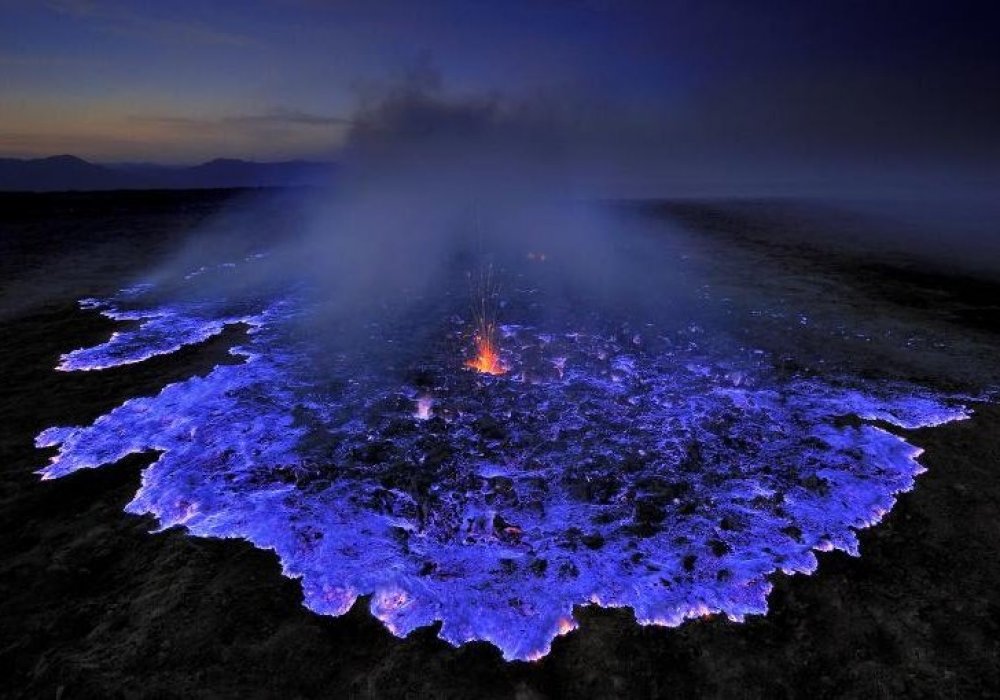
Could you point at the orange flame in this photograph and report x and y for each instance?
(487, 359)
(484, 310)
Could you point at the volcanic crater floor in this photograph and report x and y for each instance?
(668, 470)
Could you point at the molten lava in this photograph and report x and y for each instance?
(487, 359)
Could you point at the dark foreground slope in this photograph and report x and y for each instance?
(92, 605)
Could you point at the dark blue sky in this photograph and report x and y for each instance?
(898, 85)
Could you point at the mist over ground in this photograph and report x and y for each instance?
(434, 184)
(432, 189)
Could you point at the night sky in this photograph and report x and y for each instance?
(765, 94)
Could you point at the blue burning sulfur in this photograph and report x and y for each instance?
(673, 475)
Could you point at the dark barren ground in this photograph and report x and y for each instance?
(92, 605)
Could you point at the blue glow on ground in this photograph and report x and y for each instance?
(672, 480)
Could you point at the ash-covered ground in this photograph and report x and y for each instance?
(666, 456)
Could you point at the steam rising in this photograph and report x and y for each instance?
(431, 189)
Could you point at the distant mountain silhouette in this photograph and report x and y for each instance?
(65, 172)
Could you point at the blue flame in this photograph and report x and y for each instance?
(673, 481)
